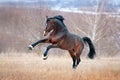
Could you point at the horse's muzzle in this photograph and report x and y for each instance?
(44, 33)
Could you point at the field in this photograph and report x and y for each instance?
(32, 67)
(22, 26)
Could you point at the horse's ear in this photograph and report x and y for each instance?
(46, 17)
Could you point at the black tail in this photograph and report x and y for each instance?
(91, 46)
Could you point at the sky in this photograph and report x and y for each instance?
(19, 0)
(112, 1)
(66, 3)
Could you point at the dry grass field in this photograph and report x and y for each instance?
(32, 67)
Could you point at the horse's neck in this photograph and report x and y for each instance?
(55, 37)
(62, 27)
(55, 32)
(58, 34)
(60, 30)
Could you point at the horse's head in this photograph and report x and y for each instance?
(52, 23)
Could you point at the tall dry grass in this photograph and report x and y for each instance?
(32, 67)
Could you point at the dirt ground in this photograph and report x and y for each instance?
(32, 67)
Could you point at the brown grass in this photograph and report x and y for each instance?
(32, 67)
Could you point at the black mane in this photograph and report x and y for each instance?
(59, 17)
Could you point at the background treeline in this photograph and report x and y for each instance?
(20, 26)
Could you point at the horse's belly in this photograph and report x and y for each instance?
(69, 42)
(67, 45)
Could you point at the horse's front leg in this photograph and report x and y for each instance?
(48, 48)
(36, 43)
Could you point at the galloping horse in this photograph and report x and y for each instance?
(60, 37)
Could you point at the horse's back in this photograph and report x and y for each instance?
(74, 37)
(69, 41)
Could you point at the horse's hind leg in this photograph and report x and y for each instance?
(71, 52)
(78, 53)
(78, 57)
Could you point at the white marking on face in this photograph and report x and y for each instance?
(43, 33)
(51, 31)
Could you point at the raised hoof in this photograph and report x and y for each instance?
(30, 47)
(45, 57)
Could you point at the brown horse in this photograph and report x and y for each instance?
(60, 37)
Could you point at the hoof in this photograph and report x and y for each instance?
(30, 47)
(74, 66)
(45, 57)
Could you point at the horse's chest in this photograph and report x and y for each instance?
(55, 38)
